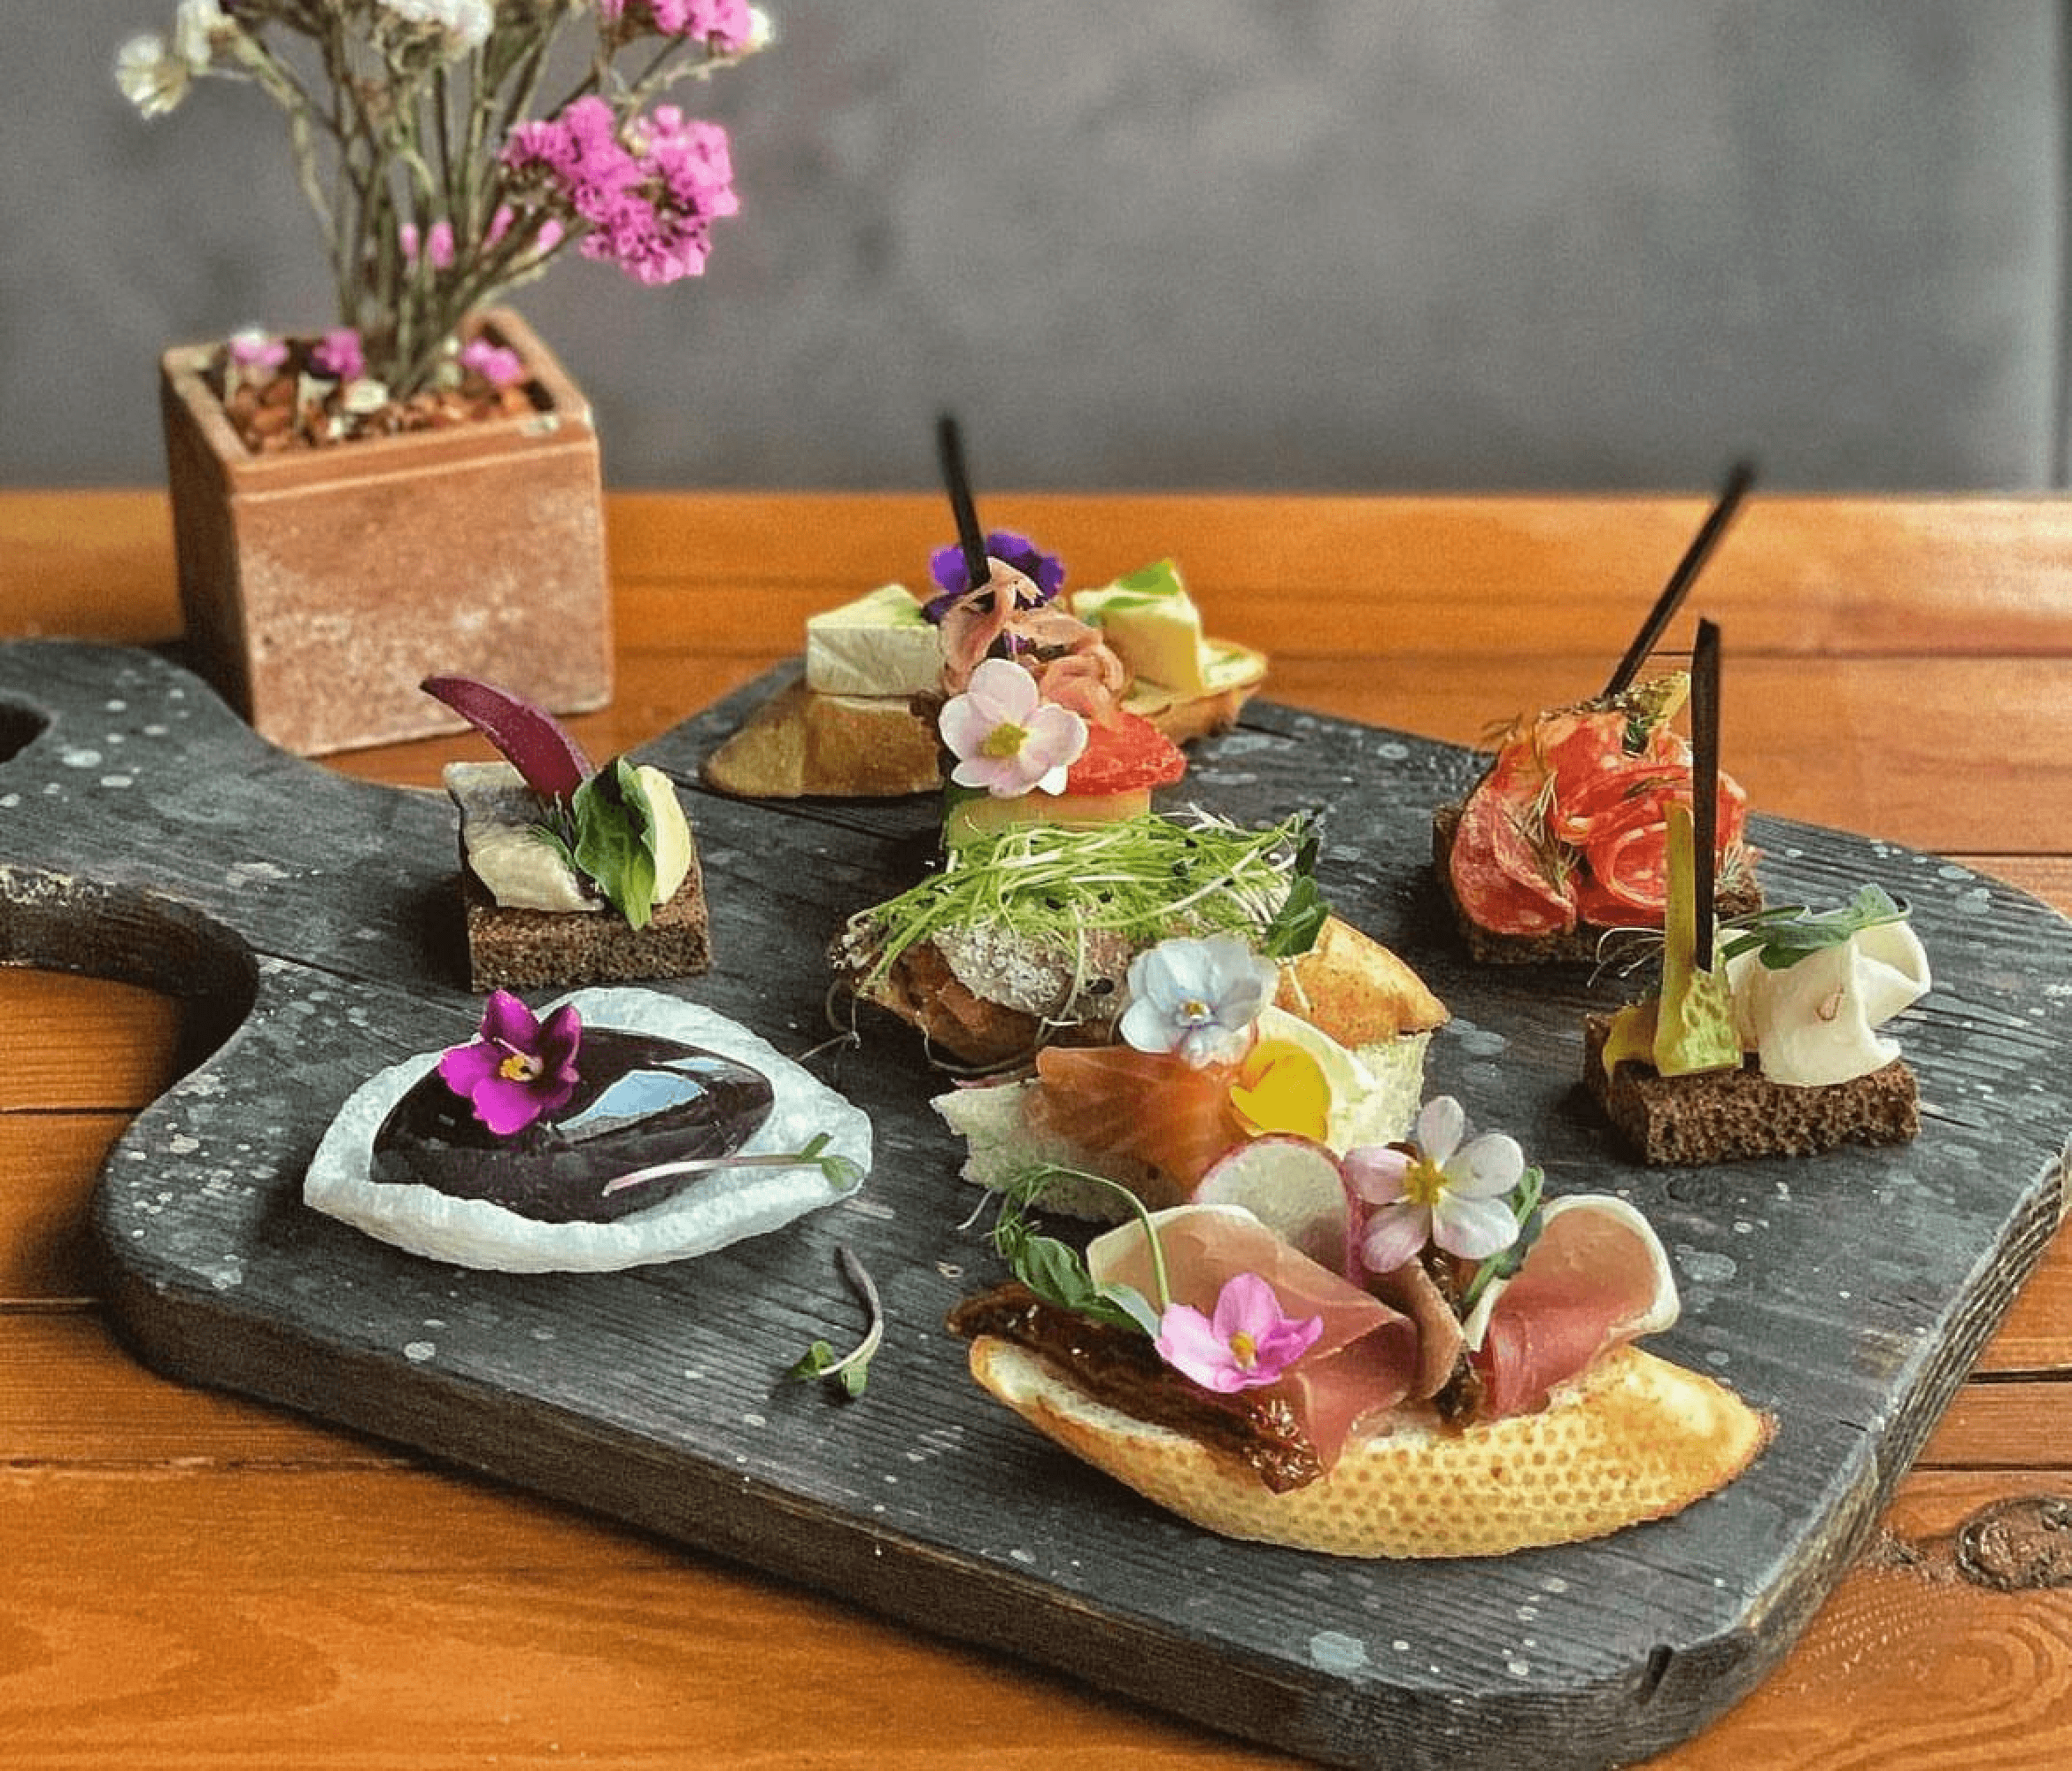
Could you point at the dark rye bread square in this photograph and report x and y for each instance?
(548, 950)
(1731, 1114)
(1576, 946)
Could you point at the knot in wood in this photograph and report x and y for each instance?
(2018, 1545)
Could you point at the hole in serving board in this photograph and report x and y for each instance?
(19, 727)
(130, 936)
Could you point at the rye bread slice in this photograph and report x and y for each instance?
(1731, 1115)
(512, 949)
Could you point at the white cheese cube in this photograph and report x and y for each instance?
(1152, 624)
(878, 645)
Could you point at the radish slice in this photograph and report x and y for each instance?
(1293, 1185)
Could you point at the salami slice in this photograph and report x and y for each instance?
(1498, 870)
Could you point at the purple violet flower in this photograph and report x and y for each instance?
(1245, 1343)
(946, 565)
(1197, 997)
(518, 1069)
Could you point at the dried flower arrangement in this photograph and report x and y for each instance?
(442, 180)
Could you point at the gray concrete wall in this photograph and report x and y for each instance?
(1331, 244)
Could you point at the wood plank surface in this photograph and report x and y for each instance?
(1911, 1661)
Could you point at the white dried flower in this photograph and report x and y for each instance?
(466, 23)
(152, 77)
(200, 28)
(364, 397)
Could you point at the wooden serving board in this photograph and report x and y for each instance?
(310, 924)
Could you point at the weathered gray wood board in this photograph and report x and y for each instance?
(310, 922)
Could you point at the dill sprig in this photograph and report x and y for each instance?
(1144, 878)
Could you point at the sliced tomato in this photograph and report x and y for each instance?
(1123, 755)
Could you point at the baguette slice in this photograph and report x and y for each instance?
(799, 741)
(1634, 1438)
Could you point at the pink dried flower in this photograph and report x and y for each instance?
(496, 364)
(253, 348)
(338, 354)
(727, 25)
(373, 92)
(438, 244)
(648, 199)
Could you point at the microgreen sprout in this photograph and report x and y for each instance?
(1056, 1272)
(1525, 1204)
(849, 1371)
(840, 1171)
(1047, 880)
(1783, 934)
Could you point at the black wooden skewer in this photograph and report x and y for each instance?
(949, 448)
(1705, 782)
(1739, 479)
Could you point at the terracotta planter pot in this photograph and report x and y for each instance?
(321, 585)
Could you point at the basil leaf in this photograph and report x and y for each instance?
(615, 839)
(1296, 923)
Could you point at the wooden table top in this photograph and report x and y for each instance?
(194, 1581)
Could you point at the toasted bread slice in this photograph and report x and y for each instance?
(1634, 1438)
(1355, 989)
(799, 741)
(1349, 985)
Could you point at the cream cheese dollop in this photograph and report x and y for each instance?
(1815, 1023)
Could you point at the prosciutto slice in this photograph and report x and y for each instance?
(1366, 1356)
(1597, 1277)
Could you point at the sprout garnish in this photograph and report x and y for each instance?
(1047, 880)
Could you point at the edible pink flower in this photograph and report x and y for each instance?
(1247, 1342)
(518, 1069)
(337, 354)
(1008, 739)
(255, 349)
(1440, 1189)
(499, 366)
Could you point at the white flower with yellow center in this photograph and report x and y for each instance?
(1439, 1190)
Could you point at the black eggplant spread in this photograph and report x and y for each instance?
(641, 1101)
